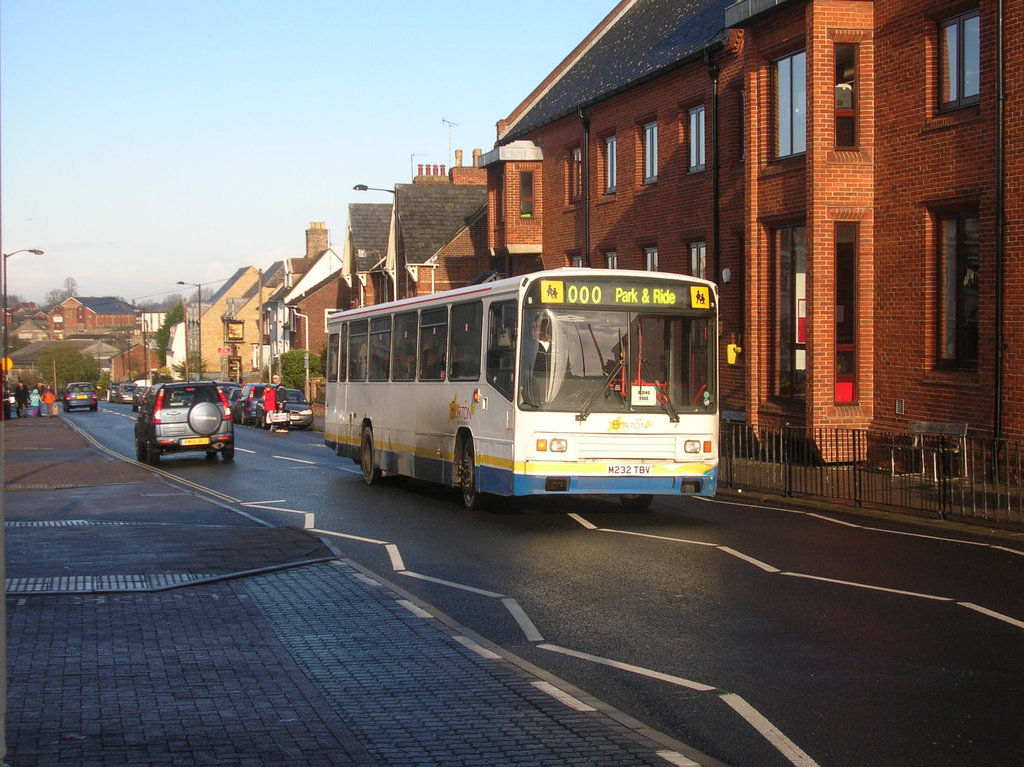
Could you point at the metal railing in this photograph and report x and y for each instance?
(946, 475)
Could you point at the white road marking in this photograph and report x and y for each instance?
(769, 731)
(678, 681)
(295, 460)
(451, 584)
(582, 521)
(529, 629)
(396, 557)
(869, 587)
(348, 536)
(993, 614)
(562, 696)
(756, 562)
(483, 652)
(415, 609)
(674, 757)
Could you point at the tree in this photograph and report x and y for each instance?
(293, 369)
(163, 334)
(70, 364)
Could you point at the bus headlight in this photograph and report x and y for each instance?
(691, 446)
(559, 445)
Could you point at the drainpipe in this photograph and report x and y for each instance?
(586, 186)
(716, 250)
(1000, 216)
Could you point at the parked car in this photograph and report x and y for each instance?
(125, 393)
(244, 409)
(184, 417)
(229, 389)
(139, 393)
(300, 413)
(81, 394)
(112, 392)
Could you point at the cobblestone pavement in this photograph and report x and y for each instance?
(152, 627)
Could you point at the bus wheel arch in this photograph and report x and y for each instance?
(370, 470)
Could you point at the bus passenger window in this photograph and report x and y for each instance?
(357, 348)
(404, 347)
(501, 347)
(433, 343)
(380, 348)
(465, 348)
(332, 358)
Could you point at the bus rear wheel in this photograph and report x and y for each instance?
(371, 474)
(467, 477)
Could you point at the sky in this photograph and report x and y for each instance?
(143, 142)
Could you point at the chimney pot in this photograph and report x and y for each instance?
(458, 158)
(476, 157)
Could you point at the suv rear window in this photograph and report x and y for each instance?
(78, 388)
(186, 396)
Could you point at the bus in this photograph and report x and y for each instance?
(559, 382)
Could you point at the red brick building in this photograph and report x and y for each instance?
(87, 315)
(836, 165)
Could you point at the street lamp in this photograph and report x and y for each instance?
(398, 229)
(305, 341)
(199, 325)
(3, 278)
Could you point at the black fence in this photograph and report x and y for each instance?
(944, 474)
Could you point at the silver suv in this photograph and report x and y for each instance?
(184, 417)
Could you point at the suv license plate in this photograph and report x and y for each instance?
(196, 441)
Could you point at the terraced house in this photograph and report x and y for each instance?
(849, 172)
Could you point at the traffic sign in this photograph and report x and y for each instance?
(8, 364)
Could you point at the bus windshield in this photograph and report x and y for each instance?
(587, 361)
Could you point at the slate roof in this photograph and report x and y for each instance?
(105, 304)
(651, 38)
(431, 215)
(369, 224)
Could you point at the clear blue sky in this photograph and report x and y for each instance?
(145, 142)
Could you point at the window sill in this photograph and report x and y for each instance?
(943, 120)
(951, 377)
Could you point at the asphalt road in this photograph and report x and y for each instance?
(761, 636)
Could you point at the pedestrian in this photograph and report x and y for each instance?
(280, 398)
(34, 401)
(21, 398)
(49, 402)
(269, 404)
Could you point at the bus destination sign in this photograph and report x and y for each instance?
(630, 293)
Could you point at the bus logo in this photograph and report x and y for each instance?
(552, 292)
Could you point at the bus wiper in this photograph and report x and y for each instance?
(584, 413)
(666, 403)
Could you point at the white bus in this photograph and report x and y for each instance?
(571, 381)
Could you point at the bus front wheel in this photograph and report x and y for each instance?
(370, 472)
(467, 477)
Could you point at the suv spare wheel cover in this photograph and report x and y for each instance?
(205, 417)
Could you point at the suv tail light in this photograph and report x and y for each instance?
(227, 407)
(157, 407)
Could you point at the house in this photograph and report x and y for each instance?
(79, 314)
(834, 165)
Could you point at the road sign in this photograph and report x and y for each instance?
(8, 364)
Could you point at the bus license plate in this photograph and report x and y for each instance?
(629, 469)
(196, 441)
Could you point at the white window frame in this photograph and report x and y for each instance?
(611, 259)
(699, 259)
(651, 152)
(651, 259)
(697, 139)
(610, 165)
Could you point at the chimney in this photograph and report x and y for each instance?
(476, 157)
(316, 239)
(458, 158)
(463, 176)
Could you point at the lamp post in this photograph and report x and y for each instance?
(398, 229)
(199, 326)
(3, 278)
(305, 342)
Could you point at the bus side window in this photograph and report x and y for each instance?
(380, 348)
(464, 356)
(433, 343)
(343, 353)
(332, 358)
(501, 347)
(404, 347)
(357, 348)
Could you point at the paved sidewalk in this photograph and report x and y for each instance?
(150, 626)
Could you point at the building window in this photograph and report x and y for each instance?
(526, 194)
(698, 259)
(576, 175)
(576, 260)
(611, 260)
(846, 105)
(846, 314)
(499, 195)
(790, 312)
(651, 259)
(696, 134)
(650, 152)
(610, 165)
(791, 105)
(960, 60)
(958, 290)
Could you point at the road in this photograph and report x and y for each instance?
(760, 636)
